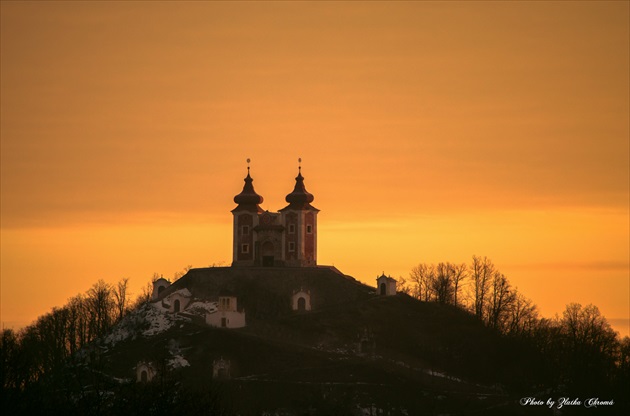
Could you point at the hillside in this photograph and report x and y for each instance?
(354, 350)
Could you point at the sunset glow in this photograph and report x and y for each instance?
(428, 132)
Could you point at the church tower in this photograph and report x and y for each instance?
(246, 216)
(300, 226)
(274, 239)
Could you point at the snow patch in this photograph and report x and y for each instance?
(185, 293)
(201, 308)
(442, 375)
(178, 362)
(148, 320)
(159, 320)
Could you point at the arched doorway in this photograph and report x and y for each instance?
(301, 304)
(383, 289)
(161, 289)
(176, 305)
(267, 254)
(143, 376)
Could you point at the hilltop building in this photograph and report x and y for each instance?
(145, 372)
(227, 315)
(277, 250)
(177, 301)
(221, 369)
(386, 285)
(158, 286)
(301, 300)
(275, 239)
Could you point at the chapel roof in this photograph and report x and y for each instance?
(248, 199)
(300, 198)
(389, 278)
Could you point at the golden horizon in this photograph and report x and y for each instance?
(428, 132)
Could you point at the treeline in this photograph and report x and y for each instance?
(54, 339)
(578, 350)
(479, 287)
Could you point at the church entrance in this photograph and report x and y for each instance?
(383, 289)
(267, 254)
(301, 304)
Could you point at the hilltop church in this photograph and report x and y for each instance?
(274, 272)
(275, 239)
(280, 245)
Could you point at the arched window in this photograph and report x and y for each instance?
(176, 305)
(301, 304)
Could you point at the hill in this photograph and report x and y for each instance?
(352, 353)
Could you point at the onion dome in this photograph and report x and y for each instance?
(299, 198)
(248, 199)
(300, 195)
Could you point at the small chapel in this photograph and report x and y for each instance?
(287, 238)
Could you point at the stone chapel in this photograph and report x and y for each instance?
(287, 238)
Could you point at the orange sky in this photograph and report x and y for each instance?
(429, 131)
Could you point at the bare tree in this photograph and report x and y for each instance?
(423, 275)
(177, 275)
(499, 302)
(587, 326)
(442, 283)
(402, 286)
(459, 272)
(9, 360)
(80, 321)
(481, 271)
(590, 345)
(100, 306)
(146, 294)
(121, 297)
(74, 343)
(623, 360)
(522, 316)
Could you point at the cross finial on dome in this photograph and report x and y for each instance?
(248, 198)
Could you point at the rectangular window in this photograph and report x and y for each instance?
(223, 322)
(291, 228)
(309, 229)
(291, 246)
(245, 230)
(245, 248)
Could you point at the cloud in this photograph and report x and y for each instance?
(601, 266)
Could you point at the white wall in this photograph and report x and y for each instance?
(144, 367)
(184, 297)
(157, 285)
(297, 296)
(234, 319)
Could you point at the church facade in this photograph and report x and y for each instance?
(287, 238)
